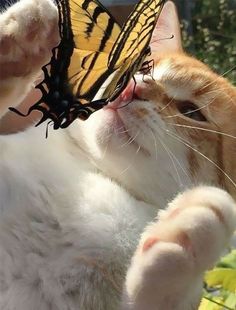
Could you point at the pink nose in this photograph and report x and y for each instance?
(124, 97)
(131, 92)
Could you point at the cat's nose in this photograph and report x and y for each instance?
(137, 89)
(124, 98)
(144, 88)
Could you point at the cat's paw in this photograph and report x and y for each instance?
(28, 32)
(187, 238)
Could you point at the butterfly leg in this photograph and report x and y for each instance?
(135, 84)
(42, 89)
(152, 69)
(46, 74)
(167, 269)
(147, 69)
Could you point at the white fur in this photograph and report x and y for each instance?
(73, 207)
(190, 237)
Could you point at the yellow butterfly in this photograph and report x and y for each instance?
(95, 59)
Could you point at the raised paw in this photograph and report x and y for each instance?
(29, 31)
(187, 238)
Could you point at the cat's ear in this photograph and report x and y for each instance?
(167, 35)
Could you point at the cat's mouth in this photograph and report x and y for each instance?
(135, 90)
(124, 98)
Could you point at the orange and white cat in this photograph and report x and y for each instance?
(78, 225)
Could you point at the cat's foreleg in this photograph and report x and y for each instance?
(167, 269)
(28, 32)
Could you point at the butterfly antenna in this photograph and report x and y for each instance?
(48, 124)
(147, 69)
(163, 39)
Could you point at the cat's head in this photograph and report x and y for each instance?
(179, 129)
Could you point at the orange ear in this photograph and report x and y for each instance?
(167, 26)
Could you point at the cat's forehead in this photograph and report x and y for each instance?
(183, 76)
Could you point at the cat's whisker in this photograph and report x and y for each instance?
(166, 106)
(203, 129)
(130, 140)
(195, 110)
(124, 131)
(138, 149)
(155, 144)
(131, 164)
(107, 138)
(198, 109)
(177, 160)
(171, 156)
(214, 91)
(120, 130)
(186, 143)
(109, 134)
(217, 94)
(106, 147)
(218, 77)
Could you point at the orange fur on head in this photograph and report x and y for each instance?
(181, 82)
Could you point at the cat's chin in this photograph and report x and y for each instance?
(113, 125)
(108, 131)
(113, 135)
(105, 134)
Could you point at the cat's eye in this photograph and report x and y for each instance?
(190, 110)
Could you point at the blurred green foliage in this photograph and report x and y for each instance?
(220, 288)
(210, 35)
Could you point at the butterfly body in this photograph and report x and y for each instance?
(95, 59)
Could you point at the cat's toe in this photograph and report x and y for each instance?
(201, 220)
(29, 30)
(174, 251)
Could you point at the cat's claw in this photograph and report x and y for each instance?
(167, 268)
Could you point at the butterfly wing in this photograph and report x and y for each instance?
(105, 57)
(112, 56)
(136, 33)
(94, 33)
(95, 59)
(132, 45)
(78, 66)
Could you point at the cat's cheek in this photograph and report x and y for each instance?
(100, 133)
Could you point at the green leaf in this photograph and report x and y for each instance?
(230, 301)
(215, 303)
(222, 277)
(229, 261)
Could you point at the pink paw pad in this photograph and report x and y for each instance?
(173, 214)
(183, 240)
(148, 244)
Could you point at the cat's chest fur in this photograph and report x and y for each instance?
(59, 213)
(73, 206)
